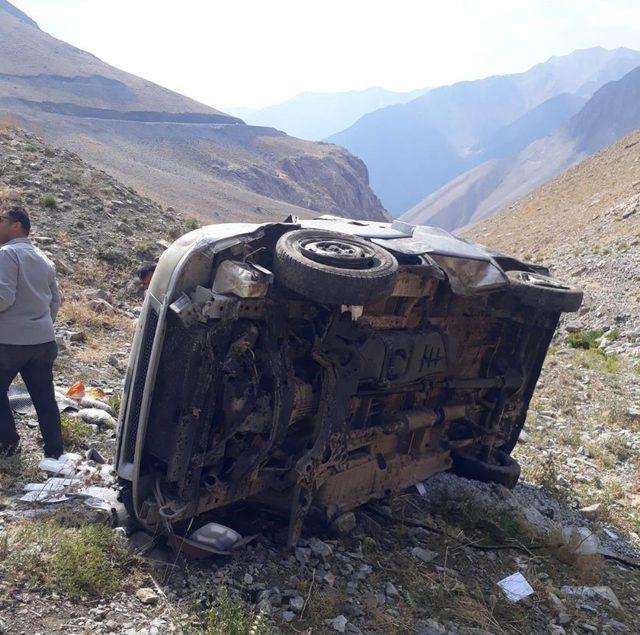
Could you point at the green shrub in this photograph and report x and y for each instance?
(584, 339)
(612, 335)
(229, 615)
(114, 402)
(85, 561)
(75, 432)
(192, 223)
(49, 201)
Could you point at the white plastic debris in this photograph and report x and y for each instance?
(73, 476)
(51, 484)
(93, 491)
(44, 496)
(516, 587)
(581, 540)
(58, 467)
(217, 536)
(422, 490)
(70, 457)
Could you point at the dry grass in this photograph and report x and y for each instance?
(8, 194)
(79, 313)
(18, 468)
(89, 560)
(583, 452)
(574, 200)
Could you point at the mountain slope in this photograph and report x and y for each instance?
(612, 112)
(598, 200)
(168, 146)
(534, 124)
(316, 116)
(468, 115)
(428, 159)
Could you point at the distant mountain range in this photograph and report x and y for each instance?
(444, 138)
(612, 112)
(316, 116)
(168, 146)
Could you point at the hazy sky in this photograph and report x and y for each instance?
(259, 52)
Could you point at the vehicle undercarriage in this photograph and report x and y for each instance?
(309, 393)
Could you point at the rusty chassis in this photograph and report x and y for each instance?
(313, 398)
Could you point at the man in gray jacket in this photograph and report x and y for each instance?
(29, 301)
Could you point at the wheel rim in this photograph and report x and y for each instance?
(339, 252)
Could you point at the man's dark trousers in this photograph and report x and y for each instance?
(34, 362)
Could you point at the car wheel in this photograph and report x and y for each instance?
(500, 468)
(544, 292)
(333, 268)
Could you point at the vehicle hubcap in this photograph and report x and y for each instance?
(338, 252)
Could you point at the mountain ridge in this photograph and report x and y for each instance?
(168, 146)
(315, 116)
(465, 115)
(612, 112)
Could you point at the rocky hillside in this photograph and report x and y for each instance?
(414, 563)
(611, 113)
(97, 231)
(168, 146)
(37, 67)
(585, 422)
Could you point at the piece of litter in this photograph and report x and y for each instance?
(50, 485)
(515, 587)
(58, 467)
(422, 490)
(103, 493)
(44, 496)
(76, 391)
(216, 536)
(98, 503)
(70, 457)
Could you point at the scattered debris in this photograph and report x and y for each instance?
(581, 540)
(98, 417)
(516, 587)
(216, 536)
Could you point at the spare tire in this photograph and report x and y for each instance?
(544, 292)
(333, 268)
(500, 468)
